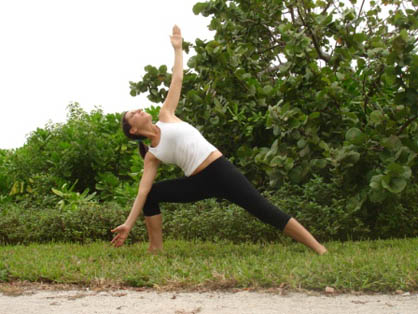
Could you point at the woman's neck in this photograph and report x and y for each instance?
(155, 135)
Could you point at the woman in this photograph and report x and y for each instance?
(207, 172)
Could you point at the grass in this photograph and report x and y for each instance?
(367, 266)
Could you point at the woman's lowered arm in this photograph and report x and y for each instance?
(150, 170)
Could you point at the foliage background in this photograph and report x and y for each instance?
(315, 101)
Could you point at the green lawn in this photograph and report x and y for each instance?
(380, 266)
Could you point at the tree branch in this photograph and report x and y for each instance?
(406, 125)
(270, 69)
(366, 100)
(281, 44)
(327, 7)
(322, 55)
(374, 86)
(361, 9)
(292, 14)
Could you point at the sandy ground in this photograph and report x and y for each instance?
(39, 301)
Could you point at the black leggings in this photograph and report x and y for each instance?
(220, 179)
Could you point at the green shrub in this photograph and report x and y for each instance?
(215, 220)
(83, 150)
(331, 214)
(89, 222)
(206, 220)
(5, 182)
(320, 207)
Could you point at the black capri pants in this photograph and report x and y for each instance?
(221, 179)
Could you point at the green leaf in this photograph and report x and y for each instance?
(57, 192)
(340, 76)
(397, 170)
(351, 116)
(327, 20)
(215, 120)
(324, 145)
(162, 69)
(392, 142)
(355, 202)
(361, 63)
(289, 163)
(376, 117)
(394, 184)
(301, 143)
(404, 35)
(277, 161)
(376, 182)
(314, 115)
(267, 90)
(318, 163)
(199, 7)
(355, 136)
(304, 151)
(275, 146)
(377, 196)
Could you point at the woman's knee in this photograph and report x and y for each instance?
(266, 211)
(151, 206)
(152, 211)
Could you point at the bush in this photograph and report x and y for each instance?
(213, 220)
(89, 222)
(88, 148)
(5, 182)
(206, 220)
(320, 206)
(330, 214)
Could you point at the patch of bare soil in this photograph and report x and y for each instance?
(26, 298)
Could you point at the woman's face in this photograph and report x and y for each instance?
(138, 119)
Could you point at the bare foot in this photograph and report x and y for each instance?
(154, 250)
(322, 250)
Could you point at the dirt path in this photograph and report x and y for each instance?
(38, 301)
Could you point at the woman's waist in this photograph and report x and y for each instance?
(213, 156)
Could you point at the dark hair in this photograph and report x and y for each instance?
(126, 127)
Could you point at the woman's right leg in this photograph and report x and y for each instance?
(155, 232)
(182, 190)
(296, 231)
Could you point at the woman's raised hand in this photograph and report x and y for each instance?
(176, 39)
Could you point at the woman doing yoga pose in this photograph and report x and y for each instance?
(207, 172)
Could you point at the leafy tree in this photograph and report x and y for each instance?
(306, 88)
(5, 182)
(89, 148)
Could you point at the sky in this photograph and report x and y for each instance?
(55, 52)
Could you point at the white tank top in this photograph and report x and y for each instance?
(183, 145)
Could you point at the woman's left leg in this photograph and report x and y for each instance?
(296, 231)
(235, 187)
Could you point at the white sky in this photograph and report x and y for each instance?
(53, 52)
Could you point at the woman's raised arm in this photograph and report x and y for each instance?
(173, 96)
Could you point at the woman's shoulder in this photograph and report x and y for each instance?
(167, 117)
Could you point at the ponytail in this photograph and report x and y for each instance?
(143, 149)
(126, 127)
